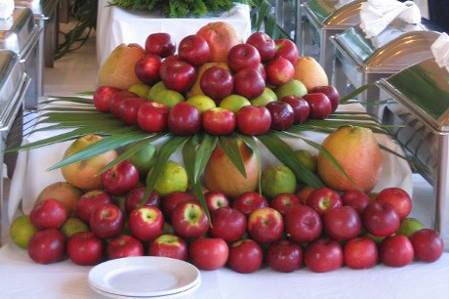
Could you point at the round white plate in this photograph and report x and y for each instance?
(144, 276)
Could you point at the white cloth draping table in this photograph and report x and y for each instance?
(116, 26)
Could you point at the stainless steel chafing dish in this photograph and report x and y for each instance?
(23, 39)
(13, 85)
(420, 103)
(361, 61)
(324, 18)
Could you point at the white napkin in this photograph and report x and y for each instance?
(6, 8)
(376, 15)
(440, 51)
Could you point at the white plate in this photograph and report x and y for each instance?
(144, 276)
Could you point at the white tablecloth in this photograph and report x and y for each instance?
(116, 26)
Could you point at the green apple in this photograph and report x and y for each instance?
(168, 97)
(307, 159)
(234, 103)
(73, 226)
(292, 88)
(266, 97)
(21, 231)
(201, 102)
(143, 158)
(159, 86)
(409, 226)
(276, 180)
(140, 89)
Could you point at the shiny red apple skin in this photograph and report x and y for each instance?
(396, 251)
(331, 92)
(264, 44)
(217, 83)
(147, 68)
(121, 178)
(398, 199)
(249, 83)
(116, 100)
(216, 200)
(85, 249)
(282, 115)
(103, 96)
(209, 253)
(243, 56)
(47, 246)
(219, 121)
(152, 117)
(253, 120)
(177, 75)
(323, 256)
(287, 49)
(261, 69)
(283, 202)
(320, 105)
(189, 220)
(245, 256)
(356, 199)
(170, 202)
(228, 224)
(160, 44)
(427, 245)
(129, 108)
(360, 253)
(89, 201)
(342, 223)
(248, 202)
(380, 219)
(49, 213)
(284, 256)
(124, 246)
(146, 223)
(323, 200)
(135, 196)
(194, 49)
(279, 71)
(301, 108)
(106, 221)
(184, 119)
(303, 223)
(169, 246)
(265, 225)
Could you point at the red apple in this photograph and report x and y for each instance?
(135, 196)
(342, 223)
(177, 75)
(427, 244)
(282, 115)
(169, 246)
(253, 120)
(160, 44)
(152, 117)
(323, 256)
(48, 213)
(279, 71)
(284, 256)
(261, 69)
(146, 223)
(265, 225)
(323, 200)
(106, 221)
(304, 194)
(216, 200)
(331, 92)
(356, 199)
(189, 220)
(248, 202)
(287, 49)
(103, 96)
(209, 253)
(85, 249)
(121, 178)
(283, 202)
(124, 246)
(170, 202)
(303, 224)
(184, 119)
(398, 199)
(396, 251)
(128, 109)
(217, 83)
(249, 83)
(47, 246)
(219, 121)
(320, 105)
(381, 219)
(116, 100)
(243, 56)
(264, 44)
(301, 108)
(360, 253)
(245, 256)
(194, 49)
(228, 224)
(89, 201)
(147, 68)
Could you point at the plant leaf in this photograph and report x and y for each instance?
(205, 149)
(252, 144)
(188, 156)
(232, 151)
(199, 193)
(355, 93)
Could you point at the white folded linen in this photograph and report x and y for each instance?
(440, 51)
(6, 8)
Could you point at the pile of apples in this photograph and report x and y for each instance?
(320, 228)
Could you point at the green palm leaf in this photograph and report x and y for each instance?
(252, 144)
(230, 146)
(205, 150)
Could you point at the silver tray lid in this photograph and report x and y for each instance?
(334, 14)
(424, 89)
(42, 9)
(19, 37)
(11, 78)
(394, 49)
